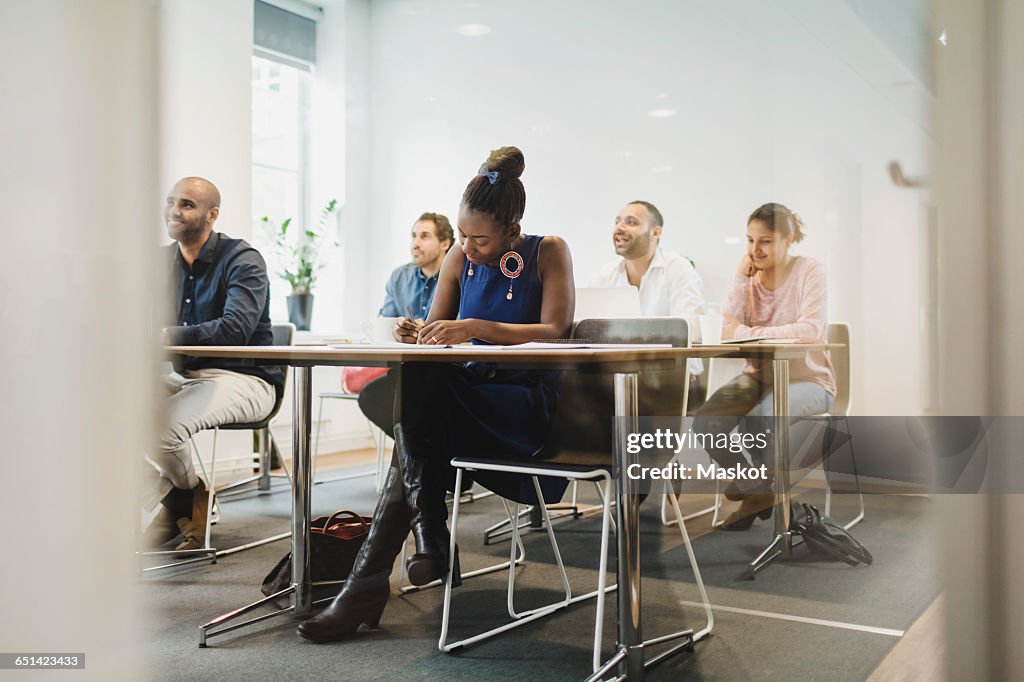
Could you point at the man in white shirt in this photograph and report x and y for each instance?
(669, 285)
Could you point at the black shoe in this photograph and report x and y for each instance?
(365, 593)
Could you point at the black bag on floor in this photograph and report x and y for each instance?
(334, 542)
(826, 538)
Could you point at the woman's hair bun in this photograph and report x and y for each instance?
(509, 161)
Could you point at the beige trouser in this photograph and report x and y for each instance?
(200, 400)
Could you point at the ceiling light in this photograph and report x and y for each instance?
(472, 30)
(662, 169)
(662, 113)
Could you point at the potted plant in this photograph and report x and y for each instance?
(299, 254)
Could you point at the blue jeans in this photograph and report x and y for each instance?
(747, 402)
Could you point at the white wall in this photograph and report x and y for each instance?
(206, 102)
(206, 129)
(78, 186)
(791, 101)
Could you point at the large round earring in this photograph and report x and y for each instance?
(511, 267)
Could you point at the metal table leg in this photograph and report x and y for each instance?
(302, 490)
(782, 543)
(302, 586)
(627, 513)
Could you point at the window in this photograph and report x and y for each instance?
(280, 114)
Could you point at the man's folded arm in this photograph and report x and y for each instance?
(243, 307)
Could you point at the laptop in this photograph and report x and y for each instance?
(607, 303)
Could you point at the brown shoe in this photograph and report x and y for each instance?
(753, 505)
(162, 530)
(194, 529)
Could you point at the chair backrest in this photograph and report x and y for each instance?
(839, 332)
(283, 335)
(586, 402)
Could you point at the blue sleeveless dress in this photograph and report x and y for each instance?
(476, 409)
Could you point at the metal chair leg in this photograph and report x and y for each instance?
(521, 618)
(713, 509)
(856, 480)
(206, 552)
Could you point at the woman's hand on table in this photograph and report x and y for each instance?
(406, 330)
(447, 332)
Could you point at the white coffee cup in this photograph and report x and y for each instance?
(711, 329)
(379, 329)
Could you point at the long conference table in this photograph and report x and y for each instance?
(624, 362)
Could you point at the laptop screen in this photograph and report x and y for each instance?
(607, 303)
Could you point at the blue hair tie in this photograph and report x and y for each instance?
(492, 176)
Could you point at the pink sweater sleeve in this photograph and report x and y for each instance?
(806, 307)
(736, 301)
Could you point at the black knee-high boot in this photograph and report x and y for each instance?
(425, 483)
(365, 593)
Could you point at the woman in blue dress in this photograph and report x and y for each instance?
(496, 286)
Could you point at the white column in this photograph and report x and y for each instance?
(980, 168)
(80, 206)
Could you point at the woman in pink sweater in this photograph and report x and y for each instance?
(773, 295)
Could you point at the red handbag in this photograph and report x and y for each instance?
(354, 379)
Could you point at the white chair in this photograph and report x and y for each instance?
(577, 459)
(839, 333)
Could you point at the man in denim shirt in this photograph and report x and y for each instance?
(220, 296)
(411, 286)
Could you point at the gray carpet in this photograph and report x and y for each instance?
(890, 594)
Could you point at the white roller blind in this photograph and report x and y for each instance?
(284, 32)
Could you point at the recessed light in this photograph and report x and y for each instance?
(472, 30)
(662, 169)
(662, 113)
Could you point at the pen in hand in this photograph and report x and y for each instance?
(411, 320)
